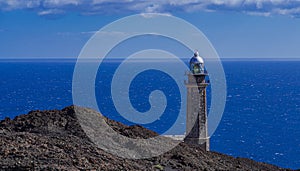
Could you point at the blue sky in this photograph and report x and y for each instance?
(236, 28)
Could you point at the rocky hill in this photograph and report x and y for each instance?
(54, 140)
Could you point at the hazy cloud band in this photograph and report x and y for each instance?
(252, 7)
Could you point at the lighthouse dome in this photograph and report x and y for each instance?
(197, 64)
(197, 59)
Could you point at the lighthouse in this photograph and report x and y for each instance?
(196, 115)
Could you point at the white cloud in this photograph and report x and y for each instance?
(18, 4)
(50, 12)
(252, 7)
(57, 3)
(265, 14)
(90, 33)
(290, 11)
(151, 15)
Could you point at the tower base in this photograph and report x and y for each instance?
(201, 142)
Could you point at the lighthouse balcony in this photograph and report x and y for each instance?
(203, 72)
(197, 79)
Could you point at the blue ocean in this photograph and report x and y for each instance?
(261, 120)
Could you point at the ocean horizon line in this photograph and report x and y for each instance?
(117, 59)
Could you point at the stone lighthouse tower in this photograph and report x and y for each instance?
(196, 116)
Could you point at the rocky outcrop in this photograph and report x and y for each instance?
(54, 140)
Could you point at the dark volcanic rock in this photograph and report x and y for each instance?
(54, 140)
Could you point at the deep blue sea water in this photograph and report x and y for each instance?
(261, 119)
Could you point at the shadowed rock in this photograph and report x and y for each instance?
(54, 139)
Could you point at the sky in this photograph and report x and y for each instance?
(236, 28)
